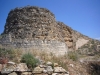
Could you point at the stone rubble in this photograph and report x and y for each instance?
(49, 63)
(38, 70)
(22, 69)
(59, 70)
(49, 69)
(13, 73)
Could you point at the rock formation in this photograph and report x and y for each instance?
(36, 28)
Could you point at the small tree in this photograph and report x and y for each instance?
(30, 60)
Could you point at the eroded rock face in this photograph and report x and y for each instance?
(80, 42)
(66, 33)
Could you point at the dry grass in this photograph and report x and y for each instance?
(74, 67)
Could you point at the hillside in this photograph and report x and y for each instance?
(34, 30)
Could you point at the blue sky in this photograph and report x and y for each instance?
(81, 15)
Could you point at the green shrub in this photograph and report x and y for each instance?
(73, 56)
(30, 60)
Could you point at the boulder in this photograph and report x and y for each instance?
(54, 73)
(49, 69)
(26, 73)
(7, 69)
(42, 66)
(21, 67)
(11, 63)
(13, 73)
(72, 65)
(49, 63)
(38, 70)
(44, 71)
(59, 70)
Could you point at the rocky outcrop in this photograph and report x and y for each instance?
(72, 38)
(66, 33)
(80, 42)
(91, 48)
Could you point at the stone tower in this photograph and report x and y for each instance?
(36, 28)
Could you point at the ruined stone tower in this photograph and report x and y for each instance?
(36, 28)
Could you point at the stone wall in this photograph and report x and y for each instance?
(31, 23)
(55, 47)
(51, 46)
(12, 68)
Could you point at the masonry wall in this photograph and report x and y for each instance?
(52, 46)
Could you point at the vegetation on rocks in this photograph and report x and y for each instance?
(73, 56)
(30, 60)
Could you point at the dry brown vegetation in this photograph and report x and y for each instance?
(74, 67)
(66, 61)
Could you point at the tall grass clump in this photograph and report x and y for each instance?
(73, 56)
(30, 60)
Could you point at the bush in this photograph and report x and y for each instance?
(30, 60)
(73, 56)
